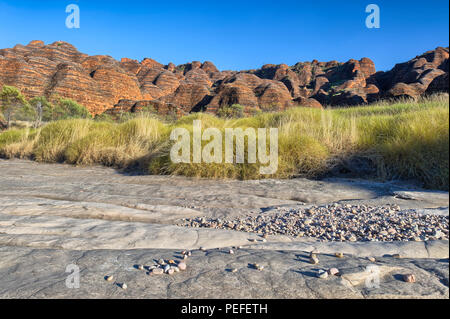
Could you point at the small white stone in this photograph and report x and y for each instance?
(333, 271)
(314, 260)
(124, 286)
(182, 266)
(157, 271)
(322, 274)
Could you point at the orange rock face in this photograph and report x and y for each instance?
(102, 83)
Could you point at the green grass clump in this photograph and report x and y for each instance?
(407, 140)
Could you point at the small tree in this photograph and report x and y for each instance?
(67, 109)
(13, 104)
(44, 110)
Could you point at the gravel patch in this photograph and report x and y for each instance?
(338, 222)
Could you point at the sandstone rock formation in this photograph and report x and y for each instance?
(103, 84)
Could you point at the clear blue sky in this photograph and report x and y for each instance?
(233, 34)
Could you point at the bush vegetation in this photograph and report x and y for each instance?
(407, 140)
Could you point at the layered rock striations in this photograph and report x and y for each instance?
(102, 83)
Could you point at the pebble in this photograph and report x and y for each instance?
(322, 274)
(231, 252)
(171, 271)
(339, 255)
(161, 262)
(314, 260)
(396, 256)
(124, 286)
(167, 268)
(234, 270)
(157, 271)
(314, 252)
(372, 259)
(202, 248)
(182, 266)
(333, 271)
(338, 222)
(140, 267)
(409, 278)
(109, 278)
(176, 269)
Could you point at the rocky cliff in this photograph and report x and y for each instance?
(102, 83)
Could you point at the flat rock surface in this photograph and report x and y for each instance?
(105, 221)
(41, 273)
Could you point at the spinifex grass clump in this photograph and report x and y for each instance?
(120, 145)
(402, 140)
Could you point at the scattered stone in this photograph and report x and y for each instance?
(322, 274)
(167, 268)
(339, 222)
(123, 286)
(339, 255)
(409, 278)
(396, 256)
(109, 278)
(234, 270)
(333, 271)
(140, 267)
(314, 260)
(182, 266)
(161, 262)
(231, 252)
(176, 269)
(157, 271)
(371, 259)
(314, 253)
(171, 271)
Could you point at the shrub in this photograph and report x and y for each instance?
(233, 111)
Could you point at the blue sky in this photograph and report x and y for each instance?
(233, 34)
